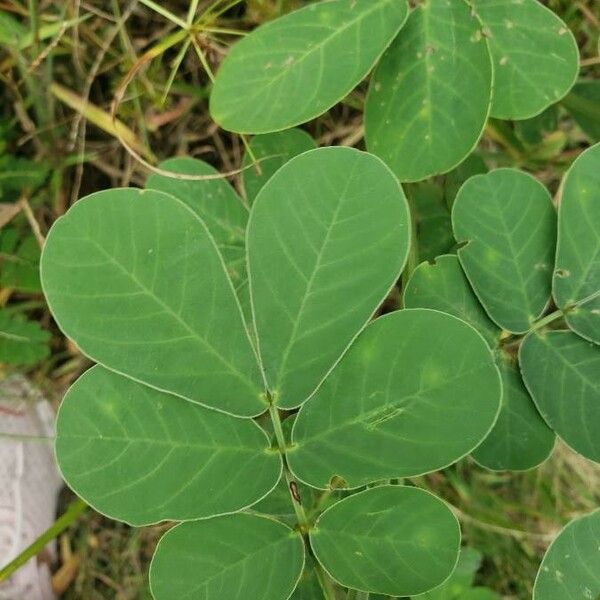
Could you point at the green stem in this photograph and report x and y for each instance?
(325, 582)
(74, 510)
(303, 521)
(557, 314)
(585, 300)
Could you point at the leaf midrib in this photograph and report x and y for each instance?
(155, 442)
(231, 566)
(377, 5)
(333, 222)
(169, 310)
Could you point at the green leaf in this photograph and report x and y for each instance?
(292, 69)
(143, 456)
(458, 586)
(22, 342)
(434, 228)
(327, 239)
(443, 286)
(562, 374)
(520, 438)
(509, 223)
(19, 174)
(454, 180)
(216, 203)
(536, 60)
(236, 557)
(19, 261)
(11, 30)
(14, 33)
(571, 566)
(389, 539)
(308, 587)
(135, 279)
(416, 392)
(577, 274)
(533, 131)
(583, 104)
(430, 96)
(272, 150)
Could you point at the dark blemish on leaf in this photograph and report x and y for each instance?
(562, 273)
(295, 492)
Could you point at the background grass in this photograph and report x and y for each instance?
(62, 64)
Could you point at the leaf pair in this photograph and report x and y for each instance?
(451, 66)
(389, 539)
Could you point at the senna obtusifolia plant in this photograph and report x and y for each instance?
(248, 384)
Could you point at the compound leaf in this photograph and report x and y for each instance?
(22, 342)
(143, 456)
(430, 95)
(571, 567)
(416, 392)
(237, 557)
(327, 239)
(392, 540)
(509, 223)
(577, 274)
(215, 202)
(562, 373)
(520, 438)
(135, 279)
(293, 69)
(536, 60)
(272, 150)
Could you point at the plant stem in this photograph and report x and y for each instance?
(325, 582)
(557, 314)
(165, 13)
(74, 510)
(303, 522)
